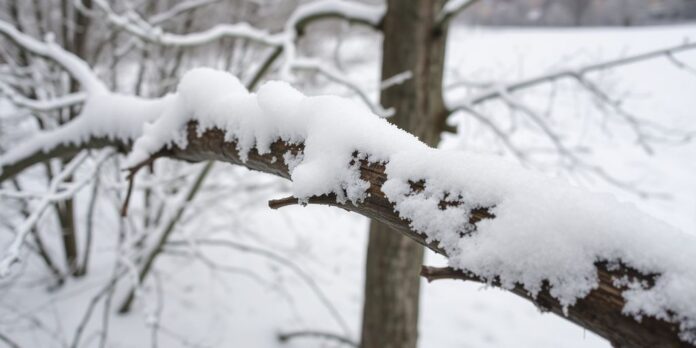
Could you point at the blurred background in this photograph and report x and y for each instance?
(201, 261)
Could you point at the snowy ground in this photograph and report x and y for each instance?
(250, 299)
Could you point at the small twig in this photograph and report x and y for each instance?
(124, 207)
(281, 260)
(329, 199)
(680, 64)
(450, 10)
(283, 202)
(10, 343)
(131, 180)
(284, 337)
(431, 274)
(89, 227)
(90, 308)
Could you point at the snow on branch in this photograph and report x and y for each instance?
(21, 101)
(601, 263)
(353, 12)
(180, 8)
(75, 66)
(54, 194)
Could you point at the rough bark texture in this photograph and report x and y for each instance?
(68, 234)
(598, 310)
(392, 284)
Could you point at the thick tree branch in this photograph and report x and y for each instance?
(596, 312)
(599, 312)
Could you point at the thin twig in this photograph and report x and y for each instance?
(284, 337)
(281, 260)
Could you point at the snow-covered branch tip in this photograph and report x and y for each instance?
(489, 217)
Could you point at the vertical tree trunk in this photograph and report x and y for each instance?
(68, 233)
(77, 45)
(392, 282)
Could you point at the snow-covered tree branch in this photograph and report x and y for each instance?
(101, 133)
(495, 222)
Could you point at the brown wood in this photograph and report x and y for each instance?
(392, 282)
(599, 312)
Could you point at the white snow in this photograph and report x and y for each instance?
(217, 99)
(109, 116)
(543, 230)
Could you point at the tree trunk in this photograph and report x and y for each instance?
(68, 231)
(392, 282)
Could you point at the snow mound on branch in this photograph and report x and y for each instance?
(331, 128)
(104, 115)
(544, 230)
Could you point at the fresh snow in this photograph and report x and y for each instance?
(544, 229)
(331, 128)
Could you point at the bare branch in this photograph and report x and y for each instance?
(451, 9)
(305, 14)
(284, 337)
(53, 195)
(306, 278)
(179, 9)
(680, 64)
(495, 91)
(10, 343)
(338, 77)
(21, 101)
(647, 133)
(75, 66)
(285, 40)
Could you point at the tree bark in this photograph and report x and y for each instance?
(392, 284)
